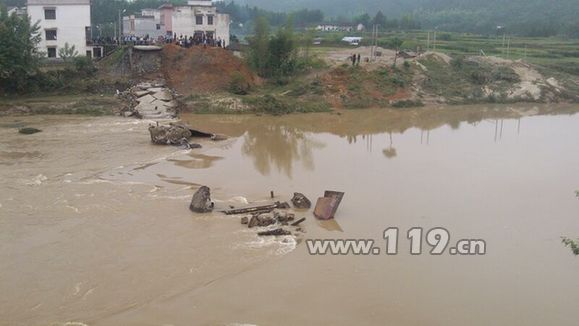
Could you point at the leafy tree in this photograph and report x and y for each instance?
(259, 46)
(273, 56)
(19, 58)
(364, 19)
(84, 66)
(67, 52)
(379, 19)
(283, 50)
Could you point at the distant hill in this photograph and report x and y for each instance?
(529, 17)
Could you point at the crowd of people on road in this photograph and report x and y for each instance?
(199, 39)
(183, 40)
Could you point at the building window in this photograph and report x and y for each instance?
(50, 34)
(50, 14)
(51, 52)
(209, 20)
(199, 20)
(158, 27)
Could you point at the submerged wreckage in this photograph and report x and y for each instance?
(178, 134)
(273, 216)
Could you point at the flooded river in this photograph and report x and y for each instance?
(95, 227)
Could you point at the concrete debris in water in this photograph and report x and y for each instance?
(327, 206)
(150, 101)
(29, 131)
(262, 220)
(172, 134)
(276, 232)
(217, 137)
(201, 202)
(178, 134)
(283, 217)
(298, 222)
(257, 209)
(301, 201)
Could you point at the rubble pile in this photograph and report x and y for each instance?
(274, 219)
(178, 133)
(150, 100)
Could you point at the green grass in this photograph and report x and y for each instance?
(538, 50)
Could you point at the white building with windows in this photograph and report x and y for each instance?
(198, 19)
(62, 22)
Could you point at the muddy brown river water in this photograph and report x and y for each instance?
(95, 227)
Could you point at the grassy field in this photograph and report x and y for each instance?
(555, 53)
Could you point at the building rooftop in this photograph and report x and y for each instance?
(202, 3)
(57, 2)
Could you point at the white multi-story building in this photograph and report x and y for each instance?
(63, 22)
(198, 19)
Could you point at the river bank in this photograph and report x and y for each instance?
(214, 80)
(96, 227)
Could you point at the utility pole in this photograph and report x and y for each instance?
(428, 42)
(434, 45)
(120, 35)
(372, 47)
(376, 40)
(504, 40)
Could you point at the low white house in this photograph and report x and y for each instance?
(334, 28)
(63, 22)
(352, 40)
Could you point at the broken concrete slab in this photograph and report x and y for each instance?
(282, 216)
(261, 220)
(301, 201)
(327, 206)
(150, 107)
(201, 201)
(168, 135)
(141, 93)
(29, 131)
(144, 86)
(324, 208)
(156, 89)
(146, 99)
(164, 95)
(161, 104)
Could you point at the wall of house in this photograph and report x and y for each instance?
(142, 26)
(185, 22)
(167, 19)
(70, 24)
